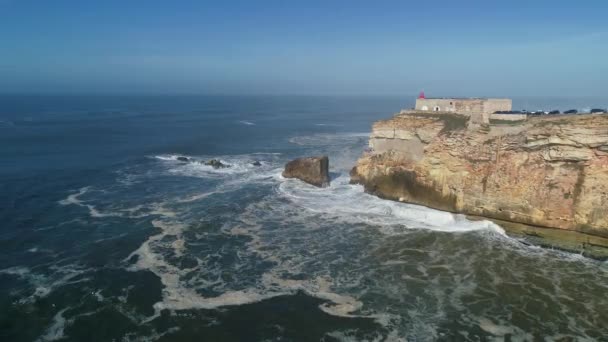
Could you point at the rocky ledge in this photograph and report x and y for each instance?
(545, 172)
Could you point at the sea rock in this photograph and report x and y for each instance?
(547, 171)
(216, 164)
(312, 170)
(183, 159)
(256, 163)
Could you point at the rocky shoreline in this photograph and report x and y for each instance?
(547, 172)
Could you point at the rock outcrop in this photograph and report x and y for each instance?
(548, 171)
(216, 164)
(312, 170)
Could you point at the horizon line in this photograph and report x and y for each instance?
(405, 95)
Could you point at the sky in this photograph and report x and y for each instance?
(447, 48)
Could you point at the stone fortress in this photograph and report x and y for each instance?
(480, 110)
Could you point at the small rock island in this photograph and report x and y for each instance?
(459, 155)
(312, 170)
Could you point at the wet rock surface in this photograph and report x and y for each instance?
(312, 170)
(216, 164)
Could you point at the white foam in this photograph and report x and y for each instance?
(154, 336)
(273, 248)
(170, 157)
(195, 197)
(351, 204)
(503, 330)
(16, 270)
(160, 209)
(176, 294)
(237, 165)
(296, 230)
(184, 299)
(74, 199)
(180, 295)
(43, 284)
(248, 123)
(55, 331)
(329, 140)
(240, 170)
(200, 169)
(98, 296)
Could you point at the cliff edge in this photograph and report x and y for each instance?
(546, 171)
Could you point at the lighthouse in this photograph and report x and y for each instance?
(421, 96)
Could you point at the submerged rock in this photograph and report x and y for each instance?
(256, 163)
(547, 172)
(216, 164)
(183, 159)
(312, 170)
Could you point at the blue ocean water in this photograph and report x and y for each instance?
(106, 235)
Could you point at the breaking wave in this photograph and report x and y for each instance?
(235, 165)
(404, 266)
(353, 205)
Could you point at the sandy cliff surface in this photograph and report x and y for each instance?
(549, 171)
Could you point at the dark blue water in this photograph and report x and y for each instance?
(106, 235)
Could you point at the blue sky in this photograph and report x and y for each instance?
(463, 48)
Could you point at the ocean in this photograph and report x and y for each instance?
(105, 235)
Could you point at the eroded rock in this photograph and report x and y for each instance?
(312, 170)
(216, 164)
(549, 172)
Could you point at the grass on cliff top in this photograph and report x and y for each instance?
(506, 122)
(451, 121)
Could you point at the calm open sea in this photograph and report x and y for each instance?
(106, 235)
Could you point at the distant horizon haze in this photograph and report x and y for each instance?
(13, 106)
(392, 48)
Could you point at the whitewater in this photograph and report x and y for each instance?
(128, 235)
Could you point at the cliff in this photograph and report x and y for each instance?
(547, 171)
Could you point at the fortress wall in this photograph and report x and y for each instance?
(470, 106)
(445, 105)
(464, 106)
(495, 105)
(479, 110)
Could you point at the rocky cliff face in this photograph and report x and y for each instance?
(549, 171)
